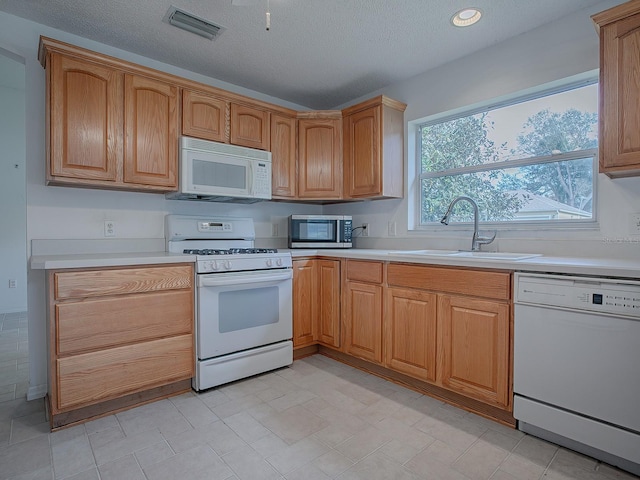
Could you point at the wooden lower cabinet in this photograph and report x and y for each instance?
(474, 347)
(363, 321)
(118, 337)
(410, 332)
(316, 304)
(329, 302)
(304, 302)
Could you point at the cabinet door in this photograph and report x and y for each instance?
(362, 155)
(283, 156)
(410, 332)
(205, 116)
(304, 302)
(620, 97)
(85, 119)
(329, 302)
(105, 374)
(249, 127)
(474, 342)
(319, 158)
(151, 133)
(363, 319)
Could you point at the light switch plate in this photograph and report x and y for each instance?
(391, 227)
(365, 229)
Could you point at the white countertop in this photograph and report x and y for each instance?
(603, 267)
(90, 260)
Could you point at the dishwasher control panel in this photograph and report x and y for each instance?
(617, 297)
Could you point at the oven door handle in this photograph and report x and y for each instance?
(218, 280)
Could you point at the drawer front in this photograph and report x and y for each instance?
(94, 377)
(97, 283)
(370, 272)
(108, 322)
(475, 283)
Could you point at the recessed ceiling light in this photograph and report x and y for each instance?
(466, 17)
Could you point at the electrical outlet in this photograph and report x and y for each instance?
(109, 228)
(12, 283)
(365, 229)
(634, 224)
(274, 229)
(391, 227)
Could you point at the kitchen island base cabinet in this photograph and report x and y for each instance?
(118, 337)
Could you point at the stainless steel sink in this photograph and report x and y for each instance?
(497, 255)
(436, 253)
(457, 253)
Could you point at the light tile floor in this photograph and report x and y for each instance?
(14, 361)
(316, 420)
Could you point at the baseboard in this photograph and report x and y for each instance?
(37, 391)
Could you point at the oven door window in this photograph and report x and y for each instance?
(239, 311)
(245, 309)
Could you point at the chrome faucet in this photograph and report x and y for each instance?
(477, 239)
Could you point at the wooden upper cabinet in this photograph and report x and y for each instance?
(374, 149)
(205, 116)
(151, 132)
(283, 156)
(250, 126)
(619, 29)
(108, 127)
(85, 120)
(319, 158)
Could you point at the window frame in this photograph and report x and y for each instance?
(416, 223)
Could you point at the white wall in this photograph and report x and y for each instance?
(12, 186)
(58, 212)
(564, 48)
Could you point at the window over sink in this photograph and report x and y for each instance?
(530, 161)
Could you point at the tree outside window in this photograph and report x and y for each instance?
(525, 162)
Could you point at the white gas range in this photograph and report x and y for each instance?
(243, 298)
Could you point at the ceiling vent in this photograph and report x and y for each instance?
(189, 22)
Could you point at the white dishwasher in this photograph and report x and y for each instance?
(577, 364)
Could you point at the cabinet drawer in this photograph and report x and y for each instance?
(370, 272)
(120, 281)
(109, 322)
(93, 377)
(451, 280)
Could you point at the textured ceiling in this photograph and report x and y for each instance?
(318, 53)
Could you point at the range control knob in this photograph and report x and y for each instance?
(227, 264)
(213, 265)
(269, 262)
(279, 262)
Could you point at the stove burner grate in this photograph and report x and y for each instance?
(229, 251)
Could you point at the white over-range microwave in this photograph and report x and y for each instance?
(220, 172)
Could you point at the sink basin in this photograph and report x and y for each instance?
(497, 255)
(424, 252)
(457, 253)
